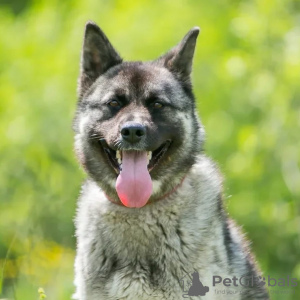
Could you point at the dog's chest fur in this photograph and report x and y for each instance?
(142, 254)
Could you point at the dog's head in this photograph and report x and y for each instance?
(137, 132)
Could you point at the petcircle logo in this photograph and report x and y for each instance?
(254, 281)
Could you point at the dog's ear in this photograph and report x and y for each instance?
(179, 59)
(98, 55)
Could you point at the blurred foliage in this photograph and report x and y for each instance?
(246, 78)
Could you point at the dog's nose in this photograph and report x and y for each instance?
(133, 132)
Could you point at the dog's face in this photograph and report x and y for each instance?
(137, 133)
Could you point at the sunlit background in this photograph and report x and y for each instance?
(246, 79)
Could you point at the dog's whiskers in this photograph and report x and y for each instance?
(95, 136)
(118, 144)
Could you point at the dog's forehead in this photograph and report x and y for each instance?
(140, 79)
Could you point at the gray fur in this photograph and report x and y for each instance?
(142, 253)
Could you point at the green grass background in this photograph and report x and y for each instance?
(246, 79)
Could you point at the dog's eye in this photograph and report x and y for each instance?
(157, 105)
(114, 103)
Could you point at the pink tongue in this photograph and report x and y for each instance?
(134, 185)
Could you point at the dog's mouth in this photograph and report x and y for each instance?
(134, 183)
(115, 158)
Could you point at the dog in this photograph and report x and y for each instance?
(151, 210)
